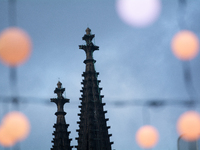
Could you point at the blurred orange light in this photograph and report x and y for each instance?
(138, 13)
(16, 125)
(147, 136)
(15, 46)
(5, 140)
(188, 125)
(185, 45)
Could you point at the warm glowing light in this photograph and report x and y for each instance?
(5, 140)
(147, 136)
(188, 125)
(185, 45)
(15, 46)
(139, 13)
(16, 126)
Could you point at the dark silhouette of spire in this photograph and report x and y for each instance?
(93, 132)
(61, 140)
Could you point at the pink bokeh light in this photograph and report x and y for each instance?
(138, 13)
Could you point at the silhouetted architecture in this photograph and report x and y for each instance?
(93, 132)
(61, 140)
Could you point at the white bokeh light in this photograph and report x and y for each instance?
(138, 13)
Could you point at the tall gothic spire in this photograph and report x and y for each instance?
(93, 132)
(61, 140)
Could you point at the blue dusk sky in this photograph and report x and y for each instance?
(136, 66)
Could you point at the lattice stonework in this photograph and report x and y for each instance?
(61, 139)
(93, 129)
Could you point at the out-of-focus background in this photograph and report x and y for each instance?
(143, 82)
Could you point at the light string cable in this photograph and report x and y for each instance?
(12, 18)
(187, 76)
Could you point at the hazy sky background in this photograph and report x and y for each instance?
(135, 64)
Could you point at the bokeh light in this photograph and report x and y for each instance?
(138, 13)
(188, 126)
(5, 140)
(185, 45)
(147, 136)
(16, 125)
(15, 46)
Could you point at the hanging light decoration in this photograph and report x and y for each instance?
(185, 45)
(5, 140)
(188, 126)
(15, 46)
(138, 13)
(147, 136)
(16, 126)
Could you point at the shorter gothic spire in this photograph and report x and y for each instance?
(61, 140)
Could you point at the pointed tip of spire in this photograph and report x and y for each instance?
(88, 31)
(59, 84)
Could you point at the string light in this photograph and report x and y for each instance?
(5, 140)
(15, 46)
(16, 126)
(185, 45)
(188, 125)
(147, 136)
(138, 13)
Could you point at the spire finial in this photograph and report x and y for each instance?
(88, 31)
(59, 84)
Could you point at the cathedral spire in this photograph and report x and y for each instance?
(93, 132)
(61, 140)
